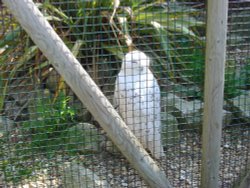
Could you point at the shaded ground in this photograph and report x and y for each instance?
(182, 164)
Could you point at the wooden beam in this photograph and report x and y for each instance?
(41, 32)
(214, 87)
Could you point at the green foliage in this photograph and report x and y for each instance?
(142, 21)
(95, 29)
(14, 169)
(236, 78)
(104, 29)
(192, 66)
(232, 83)
(50, 121)
(245, 73)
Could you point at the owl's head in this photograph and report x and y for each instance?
(135, 62)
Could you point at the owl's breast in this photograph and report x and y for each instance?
(138, 97)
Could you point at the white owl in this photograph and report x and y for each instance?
(137, 97)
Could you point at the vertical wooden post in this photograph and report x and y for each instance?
(214, 87)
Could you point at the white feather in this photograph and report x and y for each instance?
(137, 96)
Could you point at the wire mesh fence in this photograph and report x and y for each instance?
(235, 145)
(49, 139)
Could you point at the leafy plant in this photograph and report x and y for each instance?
(14, 170)
(114, 27)
(236, 78)
(100, 32)
(231, 88)
(50, 120)
(245, 73)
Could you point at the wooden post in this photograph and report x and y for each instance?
(84, 87)
(214, 86)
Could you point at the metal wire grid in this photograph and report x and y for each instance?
(48, 142)
(236, 136)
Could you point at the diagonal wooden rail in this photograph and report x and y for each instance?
(41, 32)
